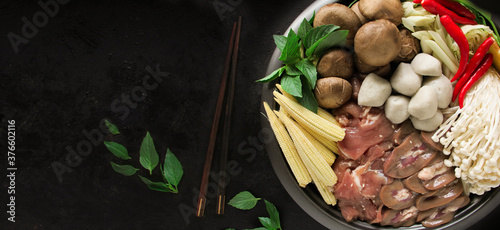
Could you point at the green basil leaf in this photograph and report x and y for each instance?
(126, 170)
(275, 74)
(117, 149)
(111, 127)
(317, 33)
(244, 200)
(292, 85)
(273, 215)
(308, 99)
(304, 27)
(292, 70)
(266, 222)
(309, 70)
(157, 186)
(259, 228)
(172, 169)
(148, 156)
(311, 20)
(280, 41)
(335, 38)
(291, 52)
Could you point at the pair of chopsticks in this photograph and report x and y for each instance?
(229, 66)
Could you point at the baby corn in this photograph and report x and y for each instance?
(308, 152)
(309, 119)
(289, 151)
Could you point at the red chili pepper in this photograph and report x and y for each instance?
(456, 33)
(436, 8)
(417, 1)
(457, 8)
(485, 65)
(473, 64)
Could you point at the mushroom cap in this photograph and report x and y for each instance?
(361, 17)
(410, 46)
(391, 10)
(336, 63)
(332, 92)
(340, 15)
(377, 43)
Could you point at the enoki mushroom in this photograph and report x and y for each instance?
(471, 136)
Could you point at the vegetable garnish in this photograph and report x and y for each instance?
(456, 33)
(480, 71)
(470, 136)
(482, 17)
(436, 8)
(111, 127)
(473, 64)
(305, 142)
(299, 53)
(148, 155)
(246, 201)
(171, 170)
(457, 8)
(126, 170)
(117, 149)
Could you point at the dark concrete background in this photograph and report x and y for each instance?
(75, 71)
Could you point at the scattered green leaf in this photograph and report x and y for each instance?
(172, 169)
(157, 186)
(148, 156)
(292, 85)
(244, 200)
(126, 170)
(111, 127)
(273, 215)
(266, 222)
(117, 149)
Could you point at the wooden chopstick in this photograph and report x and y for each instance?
(200, 209)
(221, 192)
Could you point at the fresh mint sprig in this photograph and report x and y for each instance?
(299, 52)
(171, 170)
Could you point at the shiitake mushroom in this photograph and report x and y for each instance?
(332, 92)
(336, 63)
(340, 15)
(391, 10)
(377, 43)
